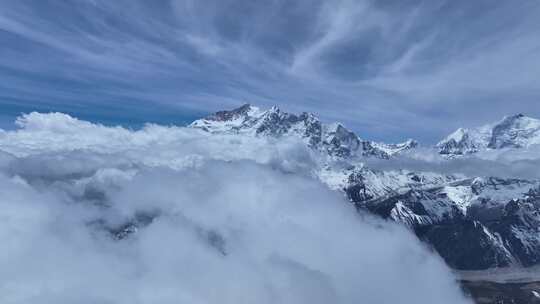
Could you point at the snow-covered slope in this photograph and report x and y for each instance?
(516, 131)
(394, 149)
(465, 141)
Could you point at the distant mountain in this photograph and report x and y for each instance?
(334, 138)
(518, 131)
(472, 222)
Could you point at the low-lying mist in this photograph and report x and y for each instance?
(95, 214)
(507, 163)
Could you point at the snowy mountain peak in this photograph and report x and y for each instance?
(340, 140)
(335, 139)
(458, 135)
(233, 114)
(516, 131)
(465, 141)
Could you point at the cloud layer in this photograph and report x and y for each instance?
(387, 70)
(218, 220)
(506, 163)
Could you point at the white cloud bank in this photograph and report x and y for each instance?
(231, 224)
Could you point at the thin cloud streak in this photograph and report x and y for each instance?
(387, 70)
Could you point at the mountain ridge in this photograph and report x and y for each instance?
(495, 222)
(334, 138)
(516, 131)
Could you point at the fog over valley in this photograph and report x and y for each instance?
(91, 212)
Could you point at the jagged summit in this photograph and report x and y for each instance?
(230, 115)
(333, 138)
(516, 131)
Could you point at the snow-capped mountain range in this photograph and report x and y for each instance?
(473, 222)
(333, 138)
(518, 131)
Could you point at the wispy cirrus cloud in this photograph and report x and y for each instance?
(387, 69)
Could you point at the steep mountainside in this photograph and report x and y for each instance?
(472, 224)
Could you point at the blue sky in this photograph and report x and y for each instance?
(390, 70)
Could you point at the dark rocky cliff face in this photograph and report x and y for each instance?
(485, 235)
